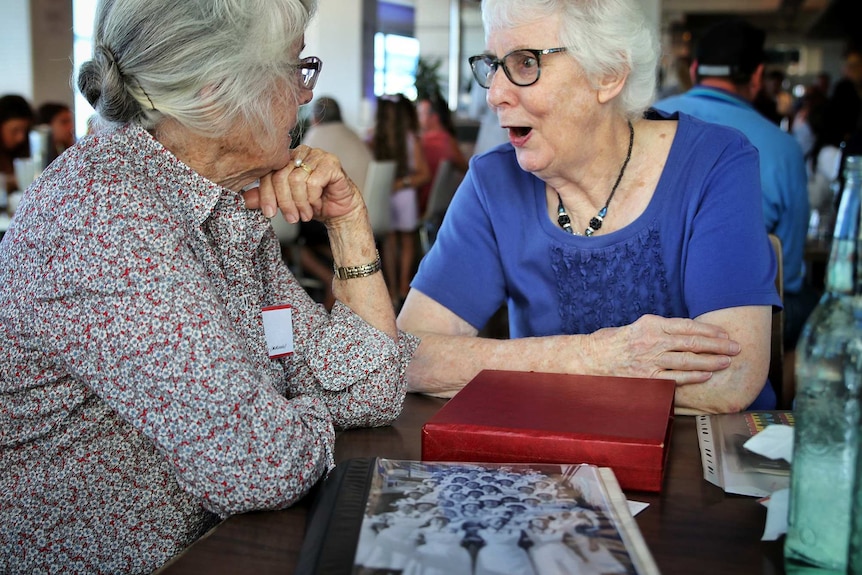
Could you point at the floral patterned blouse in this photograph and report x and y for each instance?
(138, 403)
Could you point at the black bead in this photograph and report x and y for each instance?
(596, 224)
(564, 220)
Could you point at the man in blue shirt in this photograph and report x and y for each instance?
(728, 70)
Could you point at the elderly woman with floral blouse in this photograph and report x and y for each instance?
(160, 367)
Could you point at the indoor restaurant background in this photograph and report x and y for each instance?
(370, 47)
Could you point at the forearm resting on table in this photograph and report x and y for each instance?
(728, 390)
(443, 364)
(450, 354)
(733, 389)
(719, 361)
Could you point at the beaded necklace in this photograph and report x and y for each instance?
(596, 223)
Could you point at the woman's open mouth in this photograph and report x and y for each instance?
(518, 135)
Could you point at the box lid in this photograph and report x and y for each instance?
(600, 408)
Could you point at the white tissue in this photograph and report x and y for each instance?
(776, 515)
(774, 442)
(636, 507)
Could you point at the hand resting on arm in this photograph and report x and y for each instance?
(709, 358)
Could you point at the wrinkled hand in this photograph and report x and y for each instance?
(685, 350)
(312, 185)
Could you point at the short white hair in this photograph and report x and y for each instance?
(603, 36)
(205, 63)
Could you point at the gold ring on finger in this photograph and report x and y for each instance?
(308, 169)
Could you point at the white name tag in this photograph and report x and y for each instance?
(278, 330)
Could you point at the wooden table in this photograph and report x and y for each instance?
(691, 527)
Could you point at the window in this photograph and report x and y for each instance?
(83, 15)
(395, 59)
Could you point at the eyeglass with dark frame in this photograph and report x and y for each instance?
(309, 70)
(522, 67)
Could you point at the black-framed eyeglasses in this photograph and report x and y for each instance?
(522, 67)
(308, 70)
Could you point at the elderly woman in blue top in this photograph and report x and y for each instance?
(144, 391)
(623, 243)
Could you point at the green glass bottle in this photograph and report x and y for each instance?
(854, 559)
(829, 377)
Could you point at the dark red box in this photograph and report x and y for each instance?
(530, 417)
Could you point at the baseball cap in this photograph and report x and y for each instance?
(732, 49)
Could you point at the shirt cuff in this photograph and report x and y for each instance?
(350, 352)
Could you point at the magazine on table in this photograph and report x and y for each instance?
(375, 516)
(727, 464)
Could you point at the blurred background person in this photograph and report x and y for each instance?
(680, 81)
(767, 99)
(839, 137)
(439, 140)
(58, 117)
(328, 131)
(729, 67)
(16, 120)
(823, 83)
(807, 119)
(844, 112)
(396, 137)
(841, 131)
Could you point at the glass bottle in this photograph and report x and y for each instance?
(854, 559)
(829, 376)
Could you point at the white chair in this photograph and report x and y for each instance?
(446, 181)
(376, 192)
(287, 235)
(284, 231)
